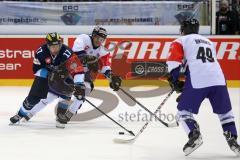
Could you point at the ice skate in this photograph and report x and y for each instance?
(232, 142)
(195, 141)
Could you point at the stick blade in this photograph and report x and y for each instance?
(124, 140)
(174, 124)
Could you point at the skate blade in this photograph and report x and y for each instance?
(24, 120)
(60, 125)
(125, 139)
(236, 151)
(14, 124)
(190, 150)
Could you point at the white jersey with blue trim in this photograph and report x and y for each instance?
(201, 59)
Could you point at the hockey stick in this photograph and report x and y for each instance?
(132, 140)
(131, 132)
(174, 124)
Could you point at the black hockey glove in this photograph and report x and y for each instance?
(59, 75)
(178, 98)
(93, 66)
(90, 61)
(176, 85)
(79, 92)
(51, 68)
(115, 83)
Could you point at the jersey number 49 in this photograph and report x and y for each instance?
(205, 54)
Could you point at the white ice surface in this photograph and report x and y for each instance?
(93, 140)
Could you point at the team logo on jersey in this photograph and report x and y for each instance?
(48, 60)
(73, 66)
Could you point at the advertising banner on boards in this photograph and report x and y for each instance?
(91, 13)
(141, 57)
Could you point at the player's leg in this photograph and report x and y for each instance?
(40, 105)
(63, 115)
(38, 91)
(220, 101)
(63, 105)
(192, 129)
(74, 106)
(189, 103)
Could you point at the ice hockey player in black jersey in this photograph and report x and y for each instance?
(50, 55)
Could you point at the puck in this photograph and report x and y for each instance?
(121, 133)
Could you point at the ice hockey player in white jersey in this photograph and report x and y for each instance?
(75, 77)
(95, 58)
(204, 79)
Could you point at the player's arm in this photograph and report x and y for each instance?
(105, 68)
(79, 46)
(39, 65)
(174, 62)
(60, 72)
(76, 70)
(79, 49)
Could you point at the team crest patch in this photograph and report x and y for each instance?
(48, 60)
(73, 66)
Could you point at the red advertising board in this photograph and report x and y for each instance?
(130, 49)
(16, 56)
(16, 53)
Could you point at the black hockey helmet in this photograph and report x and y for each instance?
(102, 32)
(53, 39)
(189, 26)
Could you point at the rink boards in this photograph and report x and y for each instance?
(140, 57)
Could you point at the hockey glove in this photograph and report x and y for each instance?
(93, 66)
(91, 62)
(115, 83)
(51, 68)
(176, 85)
(178, 98)
(59, 70)
(79, 92)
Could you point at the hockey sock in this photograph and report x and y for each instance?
(62, 107)
(187, 121)
(75, 105)
(231, 127)
(43, 103)
(228, 123)
(22, 112)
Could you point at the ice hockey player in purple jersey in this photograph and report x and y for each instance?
(204, 79)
